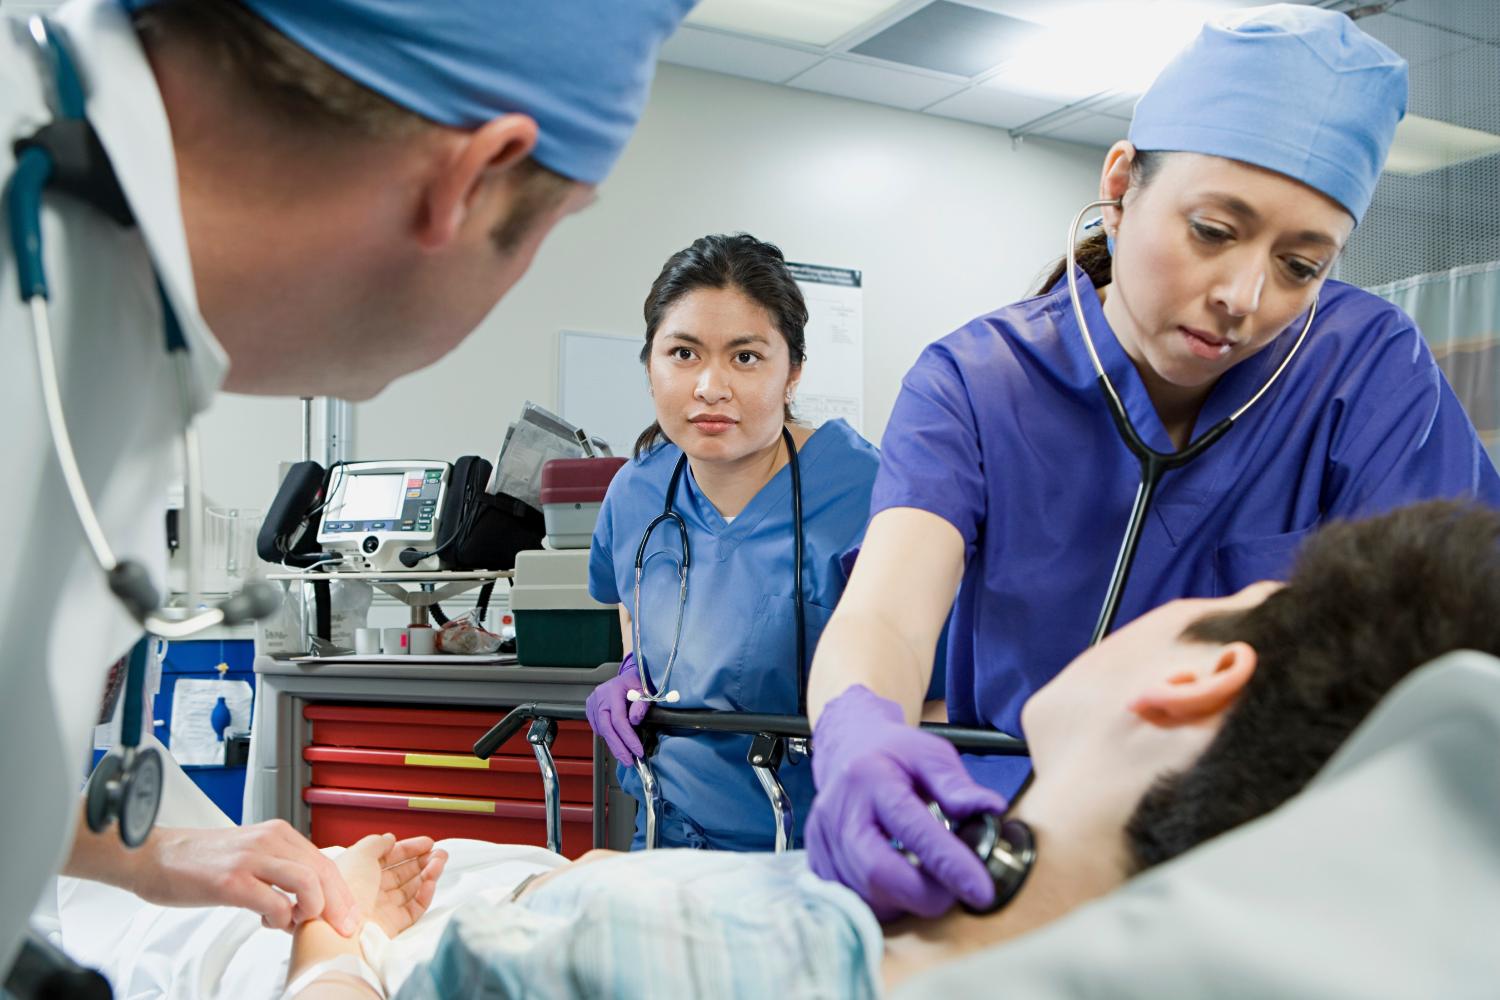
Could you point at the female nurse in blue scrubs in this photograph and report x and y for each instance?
(723, 354)
(1249, 162)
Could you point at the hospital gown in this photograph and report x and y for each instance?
(664, 924)
(1001, 430)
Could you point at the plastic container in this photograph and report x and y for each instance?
(557, 623)
(341, 817)
(572, 491)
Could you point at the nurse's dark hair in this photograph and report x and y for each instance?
(742, 262)
(1367, 603)
(1092, 251)
(305, 96)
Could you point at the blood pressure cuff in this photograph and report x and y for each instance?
(491, 527)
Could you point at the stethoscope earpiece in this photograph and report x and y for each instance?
(1152, 463)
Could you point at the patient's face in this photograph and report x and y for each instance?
(1086, 709)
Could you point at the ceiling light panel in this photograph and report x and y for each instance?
(1422, 144)
(810, 22)
(950, 38)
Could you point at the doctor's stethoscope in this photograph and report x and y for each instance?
(67, 155)
(1153, 463)
(663, 692)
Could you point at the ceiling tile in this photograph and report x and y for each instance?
(880, 84)
(1414, 41)
(1475, 18)
(735, 55)
(1000, 108)
(1089, 130)
(810, 22)
(950, 38)
(1120, 107)
(1459, 88)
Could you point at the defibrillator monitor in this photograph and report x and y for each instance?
(377, 510)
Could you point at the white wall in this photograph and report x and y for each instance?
(946, 220)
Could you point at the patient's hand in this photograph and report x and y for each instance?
(266, 867)
(392, 881)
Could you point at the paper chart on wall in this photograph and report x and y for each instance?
(834, 376)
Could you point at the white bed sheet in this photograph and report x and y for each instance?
(222, 952)
(188, 953)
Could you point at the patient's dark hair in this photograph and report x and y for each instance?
(1368, 602)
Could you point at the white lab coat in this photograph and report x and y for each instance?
(60, 626)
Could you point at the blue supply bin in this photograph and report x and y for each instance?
(198, 659)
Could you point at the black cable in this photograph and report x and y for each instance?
(410, 557)
(323, 609)
(791, 455)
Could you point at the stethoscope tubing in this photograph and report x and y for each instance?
(1153, 463)
(662, 692)
(128, 580)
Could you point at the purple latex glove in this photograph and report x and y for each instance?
(875, 776)
(614, 717)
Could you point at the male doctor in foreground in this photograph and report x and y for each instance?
(330, 195)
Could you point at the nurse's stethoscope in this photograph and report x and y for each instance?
(1153, 462)
(66, 154)
(663, 692)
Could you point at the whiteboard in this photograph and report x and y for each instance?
(601, 387)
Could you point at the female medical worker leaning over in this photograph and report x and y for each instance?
(1004, 477)
(723, 354)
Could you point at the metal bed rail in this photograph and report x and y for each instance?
(773, 737)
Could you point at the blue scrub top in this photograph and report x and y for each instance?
(1001, 429)
(738, 650)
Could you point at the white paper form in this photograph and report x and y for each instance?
(833, 381)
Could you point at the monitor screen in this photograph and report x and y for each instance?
(370, 497)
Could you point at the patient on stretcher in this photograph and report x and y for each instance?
(1194, 719)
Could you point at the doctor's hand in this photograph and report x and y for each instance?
(875, 775)
(267, 867)
(614, 717)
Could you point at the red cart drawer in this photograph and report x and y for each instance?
(341, 817)
(445, 774)
(445, 730)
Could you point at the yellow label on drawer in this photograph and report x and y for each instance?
(452, 805)
(446, 760)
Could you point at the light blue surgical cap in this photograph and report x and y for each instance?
(581, 68)
(1298, 90)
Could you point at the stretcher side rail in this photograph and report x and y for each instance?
(775, 736)
(965, 738)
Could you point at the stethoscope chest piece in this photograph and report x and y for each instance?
(125, 788)
(1008, 849)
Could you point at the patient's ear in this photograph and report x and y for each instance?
(1192, 696)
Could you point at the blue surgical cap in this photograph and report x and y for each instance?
(1298, 90)
(581, 68)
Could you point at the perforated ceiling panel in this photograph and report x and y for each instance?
(1447, 217)
(950, 38)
